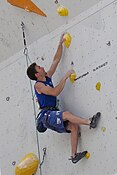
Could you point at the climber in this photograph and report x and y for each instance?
(50, 116)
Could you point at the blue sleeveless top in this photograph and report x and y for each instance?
(43, 99)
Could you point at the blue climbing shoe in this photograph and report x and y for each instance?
(95, 120)
(78, 156)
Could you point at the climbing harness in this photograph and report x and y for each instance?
(27, 61)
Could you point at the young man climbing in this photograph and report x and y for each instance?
(50, 116)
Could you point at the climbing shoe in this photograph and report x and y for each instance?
(94, 120)
(78, 156)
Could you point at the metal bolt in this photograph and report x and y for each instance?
(109, 43)
(7, 98)
(13, 163)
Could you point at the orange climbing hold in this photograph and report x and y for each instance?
(28, 5)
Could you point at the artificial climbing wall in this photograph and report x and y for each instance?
(36, 25)
(93, 52)
(17, 130)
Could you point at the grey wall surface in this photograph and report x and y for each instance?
(91, 52)
(36, 26)
(17, 131)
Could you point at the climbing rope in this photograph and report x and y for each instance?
(34, 107)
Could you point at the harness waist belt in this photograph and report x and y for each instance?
(47, 108)
(50, 108)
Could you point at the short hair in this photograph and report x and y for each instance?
(31, 71)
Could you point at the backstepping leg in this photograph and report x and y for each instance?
(75, 119)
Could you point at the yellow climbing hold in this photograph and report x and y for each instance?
(62, 11)
(72, 77)
(103, 129)
(87, 155)
(28, 165)
(68, 39)
(98, 86)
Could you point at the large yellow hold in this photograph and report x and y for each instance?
(62, 11)
(28, 165)
(68, 39)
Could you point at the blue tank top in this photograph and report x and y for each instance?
(43, 99)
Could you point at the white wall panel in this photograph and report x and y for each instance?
(17, 131)
(90, 31)
(36, 26)
(88, 50)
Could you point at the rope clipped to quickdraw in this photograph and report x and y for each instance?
(44, 154)
(27, 60)
(25, 45)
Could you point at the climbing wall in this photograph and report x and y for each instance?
(36, 25)
(17, 129)
(93, 52)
